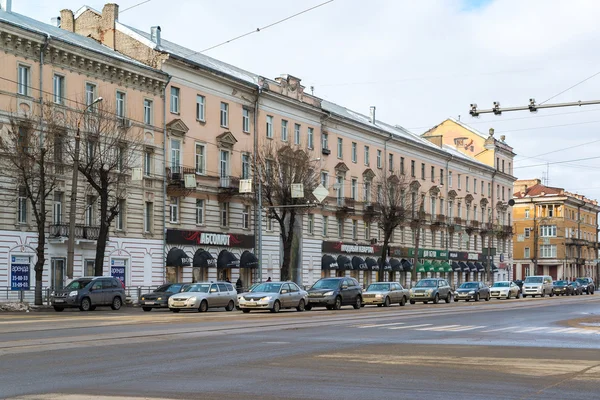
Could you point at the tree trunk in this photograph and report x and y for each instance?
(386, 242)
(102, 235)
(41, 255)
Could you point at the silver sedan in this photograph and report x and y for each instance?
(273, 296)
(504, 290)
(204, 295)
(385, 293)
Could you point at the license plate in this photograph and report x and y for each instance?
(251, 303)
(178, 304)
(150, 302)
(59, 301)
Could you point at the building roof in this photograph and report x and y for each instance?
(56, 33)
(540, 190)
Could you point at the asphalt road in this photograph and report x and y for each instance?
(510, 349)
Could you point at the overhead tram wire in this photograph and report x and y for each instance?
(556, 151)
(556, 162)
(566, 90)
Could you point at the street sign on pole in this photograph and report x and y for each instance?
(320, 193)
(245, 185)
(297, 190)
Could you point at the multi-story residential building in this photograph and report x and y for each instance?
(218, 115)
(42, 64)
(556, 232)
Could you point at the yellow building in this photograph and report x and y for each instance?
(555, 232)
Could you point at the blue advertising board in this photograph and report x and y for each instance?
(117, 269)
(19, 273)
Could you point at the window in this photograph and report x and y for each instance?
(354, 188)
(324, 141)
(548, 231)
(527, 232)
(450, 210)
(340, 226)
(422, 171)
(433, 205)
(121, 215)
(527, 213)
(432, 174)
(175, 155)
(224, 168)
(284, 132)
(526, 252)
(246, 217)
(498, 163)
(449, 179)
(57, 209)
(120, 160)
(311, 224)
(148, 112)
(367, 229)
(367, 194)
(475, 213)
(200, 158)
(22, 206)
(224, 115)
(200, 108)
(378, 158)
(199, 211)
(467, 187)
(441, 177)
(391, 162)
(148, 208)
(245, 166)
(174, 209)
(296, 134)
(474, 185)
(548, 251)
(481, 187)
(412, 168)
(224, 214)
(325, 179)
(459, 210)
(58, 87)
(503, 193)
(354, 229)
(174, 100)
(340, 147)
(354, 152)
(498, 192)
(89, 211)
(367, 155)
(325, 225)
(90, 150)
(340, 190)
(23, 80)
(147, 163)
(502, 165)
(90, 95)
(459, 183)
(401, 165)
(311, 134)
(489, 189)
(270, 126)
(121, 106)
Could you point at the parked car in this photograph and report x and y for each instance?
(159, 297)
(562, 288)
(204, 295)
(431, 289)
(333, 293)
(537, 285)
(588, 285)
(273, 296)
(472, 291)
(577, 288)
(89, 292)
(385, 293)
(505, 290)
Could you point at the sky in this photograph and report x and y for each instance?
(419, 62)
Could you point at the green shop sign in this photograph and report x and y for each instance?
(423, 253)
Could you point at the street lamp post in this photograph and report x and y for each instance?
(73, 204)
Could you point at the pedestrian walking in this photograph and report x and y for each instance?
(239, 285)
(269, 279)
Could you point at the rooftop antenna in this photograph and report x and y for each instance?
(312, 90)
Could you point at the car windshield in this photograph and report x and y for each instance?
(560, 283)
(267, 287)
(500, 284)
(327, 284)
(574, 283)
(469, 285)
(426, 283)
(378, 287)
(78, 284)
(251, 288)
(201, 288)
(581, 280)
(534, 279)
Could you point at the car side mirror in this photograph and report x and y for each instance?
(284, 291)
(344, 287)
(213, 290)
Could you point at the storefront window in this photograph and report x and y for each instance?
(172, 275)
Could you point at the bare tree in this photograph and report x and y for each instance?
(110, 149)
(278, 168)
(31, 155)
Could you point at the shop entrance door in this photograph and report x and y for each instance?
(58, 273)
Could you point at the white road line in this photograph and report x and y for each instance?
(502, 329)
(409, 326)
(438, 328)
(531, 329)
(378, 325)
(564, 330)
(466, 328)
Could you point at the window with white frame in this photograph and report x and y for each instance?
(174, 209)
(148, 211)
(433, 206)
(310, 137)
(441, 177)
(246, 120)
(245, 166)
(367, 229)
(224, 168)
(90, 95)
(482, 183)
(475, 213)
(450, 210)
(148, 111)
(474, 185)
(498, 192)
(246, 217)
(325, 179)
(340, 227)
(176, 155)
(527, 232)
(24, 80)
(423, 171)
(526, 252)
(270, 126)
(58, 89)
(459, 182)
(224, 115)
(121, 216)
(354, 188)
(324, 141)
(449, 179)
(367, 155)
(378, 158)
(459, 210)
(121, 157)
(548, 251)
(147, 163)
(311, 224)
(402, 166)
(467, 186)
(22, 206)
(199, 211)
(340, 147)
(548, 231)
(354, 152)
(339, 180)
(90, 218)
(174, 100)
(489, 189)
(200, 158)
(367, 193)
(224, 211)
(527, 213)
(391, 162)
(57, 208)
(284, 131)
(354, 229)
(200, 108)
(325, 225)
(121, 106)
(297, 134)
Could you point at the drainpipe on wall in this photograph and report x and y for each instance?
(491, 238)
(258, 210)
(164, 199)
(442, 211)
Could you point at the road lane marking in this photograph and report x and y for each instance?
(502, 329)
(466, 328)
(409, 326)
(530, 329)
(438, 328)
(379, 325)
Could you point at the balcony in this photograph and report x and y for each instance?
(458, 220)
(440, 219)
(81, 231)
(176, 181)
(229, 182)
(325, 151)
(578, 242)
(474, 224)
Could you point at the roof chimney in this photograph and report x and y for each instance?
(6, 5)
(155, 34)
(110, 15)
(67, 20)
(372, 114)
(55, 21)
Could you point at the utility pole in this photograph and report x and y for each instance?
(532, 107)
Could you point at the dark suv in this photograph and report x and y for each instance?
(89, 292)
(333, 293)
(588, 285)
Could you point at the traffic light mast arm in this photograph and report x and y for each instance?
(496, 109)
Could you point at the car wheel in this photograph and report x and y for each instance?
(276, 307)
(524, 295)
(476, 297)
(543, 294)
(175, 310)
(403, 301)
(308, 307)
(551, 294)
(92, 308)
(230, 306)
(338, 303)
(59, 309)
(412, 302)
(386, 302)
(508, 297)
(436, 299)
(448, 298)
(455, 300)
(147, 309)
(425, 302)
(85, 304)
(245, 310)
(488, 297)
(329, 307)
(301, 306)
(203, 306)
(379, 305)
(358, 303)
(116, 303)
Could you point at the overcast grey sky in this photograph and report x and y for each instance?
(418, 61)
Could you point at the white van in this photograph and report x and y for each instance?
(538, 285)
